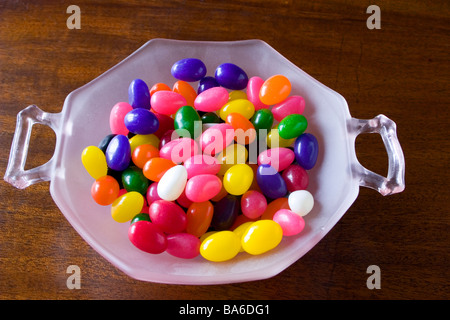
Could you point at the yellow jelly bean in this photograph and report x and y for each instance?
(242, 106)
(237, 94)
(94, 161)
(141, 139)
(241, 230)
(220, 246)
(125, 207)
(238, 179)
(261, 236)
(274, 140)
(233, 154)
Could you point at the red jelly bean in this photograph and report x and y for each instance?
(199, 216)
(253, 204)
(183, 245)
(168, 216)
(296, 178)
(147, 237)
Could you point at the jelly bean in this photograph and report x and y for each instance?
(290, 222)
(134, 180)
(301, 202)
(189, 69)
(210, 117)
(167, 137)
(183, 245)
(159, 87)
(240, 230)
(172, 183)
(103, 145)
(203, 187)
(187, 122)
(167, 216)
(199, 216)
(279, 158)
(206, 83)
(117, 116)
(139, 94)
(201, 164)
(237, 94)
(141, 154)
(292, 126)
(306, 150)
(275, 89)
(273, 207)
(155, 168)
(231, 76)
(242, 106)
(262, 236)
(296, 178)
(105, 190)
(253, 204)
(139, 139)
(262, 120)
(220, 246)
(291, 105)
(183, 200)
(274, 140)
(238, 179)
(179, 150)
(211, 100)
(152, 193)
(140, 217)
(186, 90)
(147, 237)
(165, 124)
(167, 102)
(206, 235)
(213, 140)
(125, 207)
(244, 130)
(118, 153)
(141, 121)
(270, 181)
(253, 87)
(225, 212)
(94, 161)
(233, 154)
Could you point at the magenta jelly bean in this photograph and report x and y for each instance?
(152, 193)
(147, 237)
(167, 102)
(201, 164)
(203, 187)
(290, 222)
(179, 150)
(189, 69)
(279, 158)
(183, 200)
(213, 140)
(253, 87)
(167, 216)
(117, 116)
(253, 204)
(141, 121)
(211, 100)
(291, 105)
(296, 178)
(139, 94)
(183, 245)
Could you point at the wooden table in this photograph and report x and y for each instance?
(400, 70)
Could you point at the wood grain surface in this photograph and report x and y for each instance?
(400, 70)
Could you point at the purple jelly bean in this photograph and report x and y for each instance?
(270, 181)
(141, 121)
(226, 211)
(306, 149)
(207, 83)
(139, 94)
(118, 153)
(231, 76)
(189, 69)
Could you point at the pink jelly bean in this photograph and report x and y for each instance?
(291, 105)
(117, 116)
(253, 204)
(167, 102)
(279, 158)
(183, 245)
(216, 138)
(290, 222)
(211, 99)
(147, 237)
(253, 87)
(167, 216)
(201, 164)
(179, 150)
(152, 193)
(203, 187)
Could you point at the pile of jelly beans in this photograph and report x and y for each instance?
(212, 171)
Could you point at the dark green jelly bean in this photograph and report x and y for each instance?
(262, 119)
(134, 180)
(187, 118)
(292, 126)
(141, 216)
(211, 117)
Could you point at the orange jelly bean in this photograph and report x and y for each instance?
(199, 216)
(141, 154)
(273, 207)
(186, 90)
(159, 87)
(275, 89)
(155, 168)
(245, 132)
(105, 190)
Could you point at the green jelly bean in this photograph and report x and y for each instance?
(187, 122)
(292, 126)
(211, 117)
(140, 216)
(262, 119)
(134, 180)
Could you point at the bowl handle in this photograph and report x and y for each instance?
(395, 180)
(15, 173)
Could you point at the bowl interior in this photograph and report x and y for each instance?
(86, 121)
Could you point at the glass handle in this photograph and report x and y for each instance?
(15, 173)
